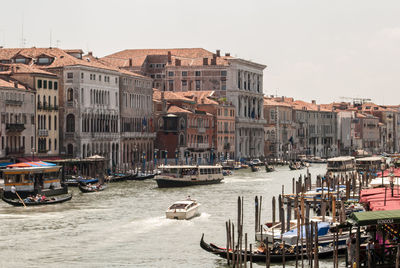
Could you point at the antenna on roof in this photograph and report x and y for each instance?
(58, 42)
(50, 39)
(23, 40)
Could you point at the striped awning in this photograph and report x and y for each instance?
(32, 164)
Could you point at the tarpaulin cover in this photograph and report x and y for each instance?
(323, 228)
(376, 217)
(32, 164)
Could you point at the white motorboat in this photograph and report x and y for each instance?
(183, 210)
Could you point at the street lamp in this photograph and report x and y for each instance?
(383, 166)
(155, 157)
(391, 176)
(143, 162)
(33, 153)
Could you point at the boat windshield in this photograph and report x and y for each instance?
(178, 206)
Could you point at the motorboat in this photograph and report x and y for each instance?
(254, 168)
(256, 162)
(183, 210)
(341, 164)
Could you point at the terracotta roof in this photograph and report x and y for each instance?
(7, 83)
(175, 109)
(22, 69)
(187, 56)
(203, 97)
(170, 96)
(302, 105)
(61, 58)
(271, 102)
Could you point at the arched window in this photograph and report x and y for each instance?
(181, 139)
(49, 122)
(70, 123)
(49, 144)
(70, 149)
(55, 122)
(70, 94)
(55, 100)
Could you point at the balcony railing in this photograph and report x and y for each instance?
(199, 145)
(69, 135)
(42, 151)
(14, 102)
(43, 132)
(15, 127)
(19, 150)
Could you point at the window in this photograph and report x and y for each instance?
(44, 60)
(170, 74)
(198, 73)
(223, 73)
(82, 75)
(55, 144)
(116, 80)
(21, 60)
(70, 94)
(99, 77)
(184, 83)
(94, 77)
(49, 122)
(184, 73)
(39, 83)
(55, 85)
(70, 123)
(49, 144)
(197, 84)
(170, 85)
(70, 75)
(82, 95)
(50, 84)
(55, 122)
(45, 84)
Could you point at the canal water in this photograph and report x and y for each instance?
(125, 225)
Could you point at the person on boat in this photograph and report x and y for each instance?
(188, 198)
(13, 189)
(43, 198)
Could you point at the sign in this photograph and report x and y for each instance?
(385, 221)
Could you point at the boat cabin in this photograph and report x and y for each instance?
(188, 170)
(369, 164)
(32, 178)
(341, 164)
(90, 167)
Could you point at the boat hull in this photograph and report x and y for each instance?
(85, 189)
(168, 183)
(57, 199)
(182, 215)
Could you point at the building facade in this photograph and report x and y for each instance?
(17, 125)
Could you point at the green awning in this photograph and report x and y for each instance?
(375, 217)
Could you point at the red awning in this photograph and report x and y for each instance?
(375, 199)
(386, 173)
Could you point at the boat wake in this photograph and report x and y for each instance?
(147, 225)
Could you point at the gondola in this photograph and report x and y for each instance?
(143, 176)
(275, 255)
(254, 168)
(269, 168)
(50, 200)
(75, 182)
(118, 177)
(87, 189)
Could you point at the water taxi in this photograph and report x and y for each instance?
(31, 178)
(188, 175)
(183, 210)
(369, 164)
(341, 164)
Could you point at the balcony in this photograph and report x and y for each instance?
(14, 151)
(42, 151)
(199, 145)
(15, 127)
(201, 130)
(39, 106)
(56, 107)
(43, 132)
(14, 102)
(69, 135)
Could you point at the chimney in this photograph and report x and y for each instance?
(130, 62)
(16, 84)
(90, 53)
(313, 102)
(228, 54)
(218, 53)
(169, 57)
(177, 62)
(214, 60)
(205, 61)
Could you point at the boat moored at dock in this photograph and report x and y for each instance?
(341, 164)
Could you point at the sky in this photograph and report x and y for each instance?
(314, 49)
